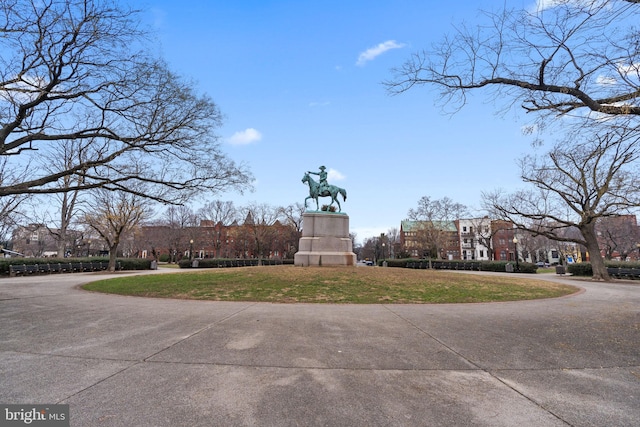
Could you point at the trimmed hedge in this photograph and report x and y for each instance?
(133, 263)
(580, 269)
(125, 263)
(499, 266)
(615, 268)
(227, 263)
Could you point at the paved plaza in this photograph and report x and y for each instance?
(127, 361)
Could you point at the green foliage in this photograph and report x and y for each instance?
(580, 269)
(164, 258)
(134, 263)
(396, 262)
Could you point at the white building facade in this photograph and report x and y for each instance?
(475, 234)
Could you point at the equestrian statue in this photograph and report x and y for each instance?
(322, 188)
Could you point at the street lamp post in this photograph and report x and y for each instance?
(191, 250)
(515, 243)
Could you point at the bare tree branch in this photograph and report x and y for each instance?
(79, 71)
(571, 56)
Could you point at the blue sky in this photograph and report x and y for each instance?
(299, 83)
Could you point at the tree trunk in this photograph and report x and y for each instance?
(61, 248)
(113, 249)
(597, 263)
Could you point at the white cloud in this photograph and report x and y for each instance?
(319, 104)
(247, 136)
(629, 69)
(334, 175)
(373, 52)
(541, 5)
(603, 80)
(26, 89)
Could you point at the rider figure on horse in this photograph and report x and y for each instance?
(322, 188)
(323, 179)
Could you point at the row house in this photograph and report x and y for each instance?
(480, 239)
(38, 240)
(619, 237)
(216, 240)
(436, 239)
(503, 241)
(474, 237)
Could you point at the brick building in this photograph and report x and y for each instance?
(216, 240)
(438, 239)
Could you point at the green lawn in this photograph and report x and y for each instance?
(361, 285)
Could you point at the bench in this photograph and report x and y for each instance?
(59, 267)
(624, 273)
(15, 270)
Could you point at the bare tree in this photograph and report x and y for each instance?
(292, 218)
(557, 60)
(12, 207)
(219, 211)
(220, 214)
(393, 237)
(574, 188)
(258, 224)
(434, 221)
(67, 202)
(618, 235)
(574, 60)
(538, 246)
(181, 223)
(11, 215)
(370, 249)
(113, 215)
(79, 71)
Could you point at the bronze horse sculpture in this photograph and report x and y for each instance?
(316, 190)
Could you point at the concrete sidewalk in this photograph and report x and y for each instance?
(126, 361)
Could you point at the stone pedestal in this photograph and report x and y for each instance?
(325, 240)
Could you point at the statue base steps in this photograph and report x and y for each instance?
(325, 241)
